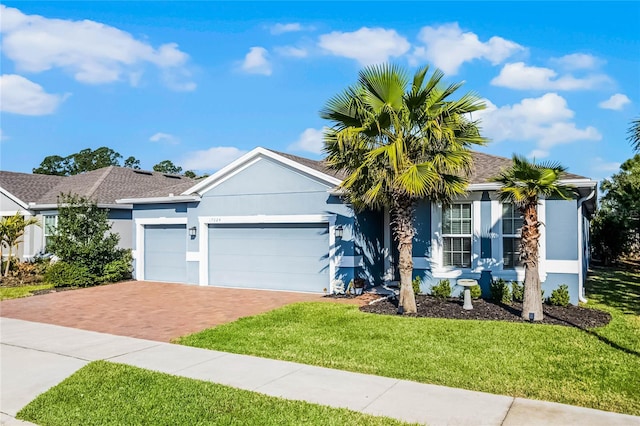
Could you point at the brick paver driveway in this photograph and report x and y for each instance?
(148, 310)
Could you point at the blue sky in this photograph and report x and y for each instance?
(200, 83)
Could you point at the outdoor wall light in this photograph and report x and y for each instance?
(339, 232)
(192, 232)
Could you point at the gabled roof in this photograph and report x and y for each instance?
(104, 185)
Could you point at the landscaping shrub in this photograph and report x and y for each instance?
(476, 292)
(517, 291)
(416, 285)
(442, 290)
(63, 274)
(500, 291)
(118, 270)
(560, 296)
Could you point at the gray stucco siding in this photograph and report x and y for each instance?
(554, 280)
(561, 227)
(120, 221)
(7, 205)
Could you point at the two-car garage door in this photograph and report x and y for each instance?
(270, 256)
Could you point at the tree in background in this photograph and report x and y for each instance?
(522, 185)
(401, 140)
(11, 231)
(616, 226)
(634, 134)
(167, 166)
(85, 160)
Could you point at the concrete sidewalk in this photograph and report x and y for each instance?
(36, 356)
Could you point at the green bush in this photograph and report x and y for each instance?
(442, 290)
(63, 274)
(517, 291)
(118, 270)
(500, 291)
(476, 292)
(560, 296)
(416, 285)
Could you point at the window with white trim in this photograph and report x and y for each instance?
(457, 235)
(511, 232)
(50, 224)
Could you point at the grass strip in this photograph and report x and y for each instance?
(21, 291)
(104, 393)
(593, 368)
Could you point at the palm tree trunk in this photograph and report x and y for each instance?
(532, 301)
(402, 221)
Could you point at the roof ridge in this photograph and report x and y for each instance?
(99, 181)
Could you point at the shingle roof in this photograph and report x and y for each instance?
(104, 185)
(485, 167)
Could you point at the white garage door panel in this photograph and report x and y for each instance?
(165, 248)
(274, 256)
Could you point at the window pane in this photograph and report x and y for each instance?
(466, 260)
(517, 225)
(456, 228)
(466, 210)
(447, 245)
(466, 245)
(457, 259)
(506, 210)
(507, 226)
(466, 227)
(457, 244)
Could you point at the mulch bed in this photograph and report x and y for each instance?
(430, 307)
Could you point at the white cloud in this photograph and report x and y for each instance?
(578, 61)
(164, 138)
(288, 28)
(367, 45)
(257, 61)
(615, 102)
(295, 52)
(93, 52)
(19, 95)
(601, 165)
(447, 47)
(538, 154)
(310, 140)
(545, 120)
(520, 76)
(211, 159)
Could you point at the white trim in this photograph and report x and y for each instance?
(212, 180)
(476, 236)
(343, 261)
(494, 186)
(139, 226)
(496, 237)
(159, 200)
(193, 256)
(14, 198)
(581, 201)
(542, 252)
(562, 266)
(436, 236)
(205, 221)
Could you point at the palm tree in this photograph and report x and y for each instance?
(399, 141)
(11, 230)
(523, 184)
(634, 134)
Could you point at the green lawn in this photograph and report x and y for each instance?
(22, 291)
(104, 393)
(597, 369)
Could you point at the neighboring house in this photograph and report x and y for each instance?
(34, 195)
(276, 221)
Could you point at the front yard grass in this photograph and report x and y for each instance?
(21, 291)
(115, 394)
(592, 368)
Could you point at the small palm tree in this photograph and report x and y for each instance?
(634, 134)
(523, 184)
(11, 230)
(399, 141)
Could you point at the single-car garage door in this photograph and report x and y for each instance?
(270, 256)
(165, 250)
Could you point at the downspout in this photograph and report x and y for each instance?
(581, 201)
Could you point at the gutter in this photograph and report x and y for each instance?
(581, 201)
(159, 200)
(117, 205)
